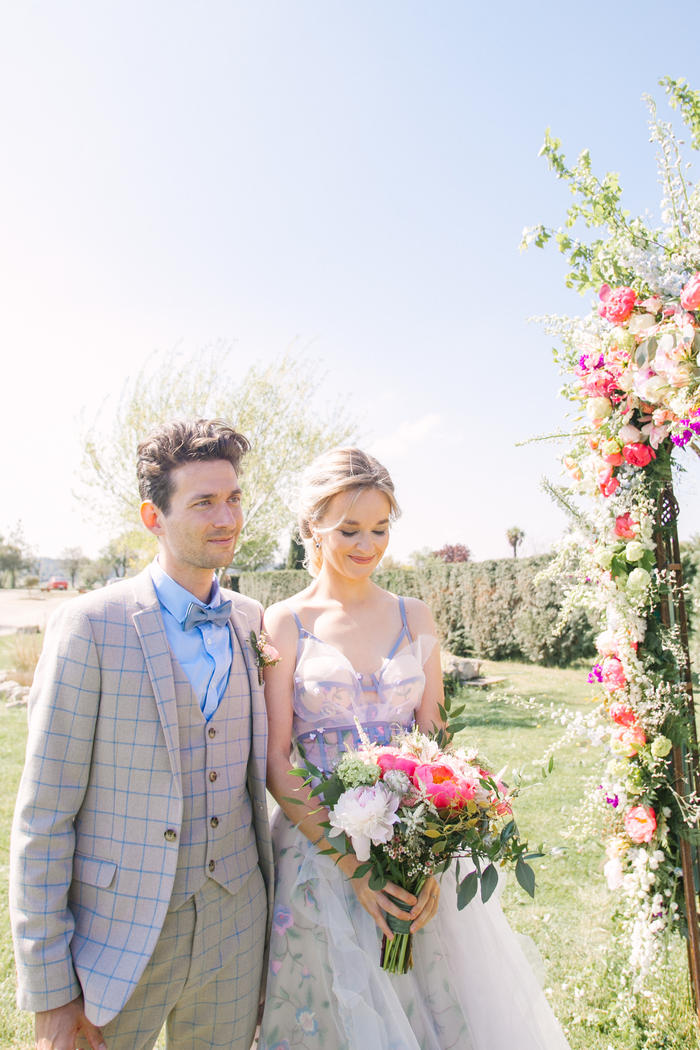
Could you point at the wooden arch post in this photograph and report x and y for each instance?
(686, 762)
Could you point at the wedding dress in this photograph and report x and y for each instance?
(471, 987)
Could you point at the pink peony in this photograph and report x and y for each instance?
(391, 758)
(607, 484)
(690, 296)
(626, 527)
(640, 823)
(616, 303)
(630, 738)
(622, 714)
(638, 455)
(613, 673)
(445, 787)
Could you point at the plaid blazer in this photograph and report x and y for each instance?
(91, 873)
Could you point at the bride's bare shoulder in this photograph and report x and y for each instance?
(420, 618)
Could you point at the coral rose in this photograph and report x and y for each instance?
(627, 740)
(445, 788)
(607, 484)
(622, 714)
(626, 527)
(690, 296)
(640, 823)
(616, 303)
(638, 455)
(613, 673)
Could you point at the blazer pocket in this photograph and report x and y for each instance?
(93, 871)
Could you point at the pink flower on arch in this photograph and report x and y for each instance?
(629, 738)
(638, 455)
(626, 527)
(690, 296)
(622, 714)
(616, 303)
(607, 484)
(640, 823)
(613, 675)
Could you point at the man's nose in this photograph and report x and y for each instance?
(227, 516)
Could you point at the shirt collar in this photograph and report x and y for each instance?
(175, 598)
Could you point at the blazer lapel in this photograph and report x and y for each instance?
(148, 622)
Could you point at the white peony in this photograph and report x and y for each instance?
(638, 581)
(598, 408)
(366, 815)
(634, 550)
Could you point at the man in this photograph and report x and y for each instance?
(141, 864)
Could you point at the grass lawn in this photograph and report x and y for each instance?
(571, 917)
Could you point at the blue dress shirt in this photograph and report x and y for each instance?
(204, 652)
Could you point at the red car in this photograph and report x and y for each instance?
(57, 584)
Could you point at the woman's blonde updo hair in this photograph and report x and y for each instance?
(340, 470)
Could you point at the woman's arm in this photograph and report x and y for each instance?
(420, 621)
(282, 633)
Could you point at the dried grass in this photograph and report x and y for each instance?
(22, 652)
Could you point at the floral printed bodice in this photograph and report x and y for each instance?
(329, 694)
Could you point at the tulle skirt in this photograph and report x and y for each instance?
(471, 986)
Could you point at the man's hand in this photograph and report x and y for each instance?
(58, 1029)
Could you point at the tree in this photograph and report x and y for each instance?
(73, 559)
(515, 538)
(16, 556)
(275, 406)
(418, 559)
(453, 553)
(296, 553)
(124, 556)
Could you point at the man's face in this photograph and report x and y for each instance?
(205, 516)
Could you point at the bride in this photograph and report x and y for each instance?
(349, 648)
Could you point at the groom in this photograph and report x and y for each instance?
(141, 864)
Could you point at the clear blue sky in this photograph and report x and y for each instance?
(358, 173)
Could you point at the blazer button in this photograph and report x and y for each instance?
(171, 835)
(214, 822)
(212, 776)
(212, 865)
(212, 732)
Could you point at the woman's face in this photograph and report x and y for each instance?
(355, 544)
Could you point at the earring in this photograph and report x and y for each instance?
(318, 545)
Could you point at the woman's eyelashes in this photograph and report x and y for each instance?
(375, 532)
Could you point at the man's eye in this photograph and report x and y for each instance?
(203, 503)
(235, 499)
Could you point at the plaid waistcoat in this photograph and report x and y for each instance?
(216, 838)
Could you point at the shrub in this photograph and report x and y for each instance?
(488, 609)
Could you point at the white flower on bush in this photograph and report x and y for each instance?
(366, 815)
(638, 581)
(604, 557)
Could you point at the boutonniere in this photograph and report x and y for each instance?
(265, 655)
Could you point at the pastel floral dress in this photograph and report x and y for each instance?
(471, 986)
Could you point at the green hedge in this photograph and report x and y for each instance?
(485, 609)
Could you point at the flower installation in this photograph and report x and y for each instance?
(409, 809)
(633, 376)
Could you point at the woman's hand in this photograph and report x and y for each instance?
(376, 902)
(426, 907)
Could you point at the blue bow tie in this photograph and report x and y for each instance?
(196, 615)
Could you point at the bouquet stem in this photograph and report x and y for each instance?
(397, 954)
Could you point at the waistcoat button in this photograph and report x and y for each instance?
(212, 732)
(170, 835)
(212, 865)
(212, 776)
(214, 822)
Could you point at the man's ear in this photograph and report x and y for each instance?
(150, 516)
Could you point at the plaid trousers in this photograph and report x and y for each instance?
(203, 979)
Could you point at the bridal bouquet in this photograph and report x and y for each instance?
(409, 809)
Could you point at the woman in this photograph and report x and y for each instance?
(350, 649)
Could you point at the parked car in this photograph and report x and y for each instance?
(57, 584)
